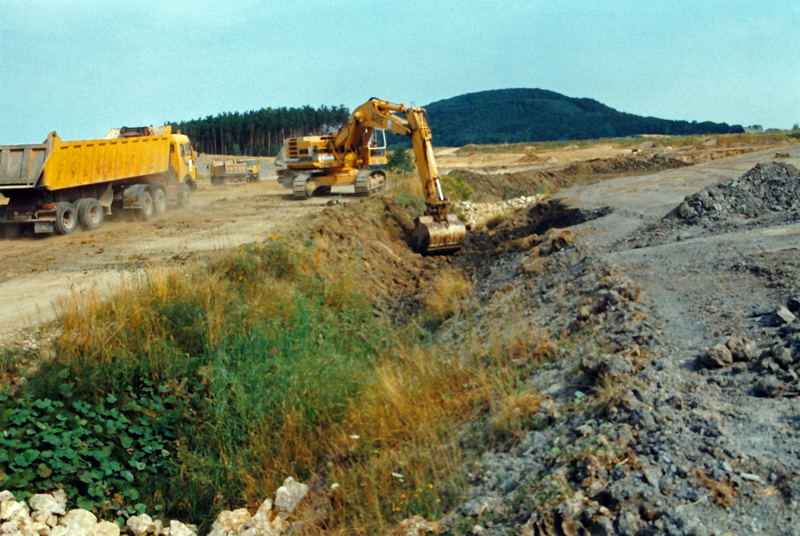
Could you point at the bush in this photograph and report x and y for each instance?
(400, 160)
(456, 189)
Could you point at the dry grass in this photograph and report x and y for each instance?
(391, 448)
(514, 414)
(444, 295)
(397, 445)
(609, 392)
(722, 492)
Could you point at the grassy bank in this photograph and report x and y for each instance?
(200, 389)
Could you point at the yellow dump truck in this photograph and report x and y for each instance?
(228, 171)
(57, 185)
(253, 168)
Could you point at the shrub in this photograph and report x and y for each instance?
(456, 189)
(400, 160)
(197, 390)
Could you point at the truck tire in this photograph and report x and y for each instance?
(183, 195)
(66, 218)
(159, 202)
(90, 213)
(145, 211)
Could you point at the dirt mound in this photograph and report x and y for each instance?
(772, 187)
(373, 237)
(768, 194)
(623, 165)
(492, 184)
(497, 186)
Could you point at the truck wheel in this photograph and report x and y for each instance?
(90, 213)
(145, 211)
(66, 218)
(159, 202)
(183, 195)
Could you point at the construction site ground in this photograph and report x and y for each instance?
(35, 272)
(654, 287)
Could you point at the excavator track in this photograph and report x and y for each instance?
(368, 182)
(300, 187)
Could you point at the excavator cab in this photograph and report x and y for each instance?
(376, 149)
(377, 143)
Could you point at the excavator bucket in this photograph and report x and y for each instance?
(434, 237)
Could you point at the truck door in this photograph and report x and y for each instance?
(182, 160)
(188, 159)
(174, 160)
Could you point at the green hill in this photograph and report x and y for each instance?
(525, 115)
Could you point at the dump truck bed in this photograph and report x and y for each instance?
(228, 172)
(56, 164)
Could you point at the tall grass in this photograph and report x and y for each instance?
(264, 364)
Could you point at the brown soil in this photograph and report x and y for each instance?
(36, 272)
(667, 302)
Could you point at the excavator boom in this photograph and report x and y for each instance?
(346, 157)
(436, 231)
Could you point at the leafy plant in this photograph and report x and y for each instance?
(102, 452)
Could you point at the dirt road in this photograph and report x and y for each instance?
(683, 275)
(706, 286)
(36, 272)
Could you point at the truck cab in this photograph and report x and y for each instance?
(182, 160)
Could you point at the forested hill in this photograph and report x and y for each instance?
(503, 115)
(520, 115)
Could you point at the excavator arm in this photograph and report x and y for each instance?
(436, 231)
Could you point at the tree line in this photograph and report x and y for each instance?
(486, 117)
(259, 132)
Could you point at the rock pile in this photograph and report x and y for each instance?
(46, 515)
(672, 443)
(477, 214)
(772, 187)
(778, 366)
(768, 194)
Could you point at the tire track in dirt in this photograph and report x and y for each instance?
(36, 273)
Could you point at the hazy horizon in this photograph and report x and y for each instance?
(82, 67)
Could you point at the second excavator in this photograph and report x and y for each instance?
(354, 155)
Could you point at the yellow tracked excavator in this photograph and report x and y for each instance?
(354, 155)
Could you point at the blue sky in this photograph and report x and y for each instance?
(81, 67)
